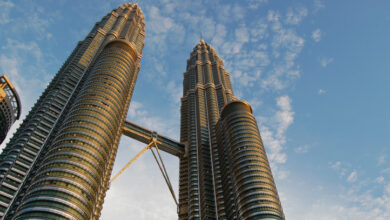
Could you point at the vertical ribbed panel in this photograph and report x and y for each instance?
(248, 186)
(206, 89)
(70, 177)
(27, 150)
(21, 153)
(217, 181)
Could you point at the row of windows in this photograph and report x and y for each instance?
(55, 205)
(65, 196)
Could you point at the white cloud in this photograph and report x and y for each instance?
(159, 28)
(379, 179)
(220, 34)
(238, 12)
(175, 91)
(275, 155)
(318, 4)
(259, 31)
(339, 168)
(316, 35)
(325, 61)
(255, 103)
(288, 39)
(302, 149)
(336, 165)
(273, 15)
(285, 116)
(254, 4)
(387, 190)
(352, 177)
(242, 34)
(5, 9)
(136, 110)
(16, 48)
(381, 159)
(294, 16)
(273, 135)
(286, 46)
(321, 91)
(142, 181)
(159, 24)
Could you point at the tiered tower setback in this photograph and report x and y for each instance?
(226, 174)
(59, 162)
(206, 89)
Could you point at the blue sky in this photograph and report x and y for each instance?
(316, 73)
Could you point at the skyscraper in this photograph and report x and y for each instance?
(226, 174)
(10, 107)
(58, 163)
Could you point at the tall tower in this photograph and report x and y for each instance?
(226, 174)
(58, 163)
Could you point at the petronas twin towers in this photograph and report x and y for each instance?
(59, 162)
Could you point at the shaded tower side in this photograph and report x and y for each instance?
(10, 107)
(39, 126)
(56, 104)
(206, 89)
(76, 169)
(248, 185)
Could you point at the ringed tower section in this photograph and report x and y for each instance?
(206, 89)
(71, 173)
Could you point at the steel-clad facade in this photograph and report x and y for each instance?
(59, 162)
(206, 89)
(216, 180)
(248, 185)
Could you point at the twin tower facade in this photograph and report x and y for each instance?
(58, 164)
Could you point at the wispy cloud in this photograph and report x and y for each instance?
(302, 149)
(285, 116)
(337, 166)
(380, 179)
(158, 28)
(352, 177)
(295, 15)
(218, 38)
(316, 35)
(23, 63)
(175, 91)
(321, 91)
(381, 159)
(318, 4)
(286, 46)
(254, 4)
(325, 61)
(273, 134)
(141, 180)
(5, 10)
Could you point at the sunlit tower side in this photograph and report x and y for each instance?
(249, 188)
(206, 89)
(58, 163)
(226, 174)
